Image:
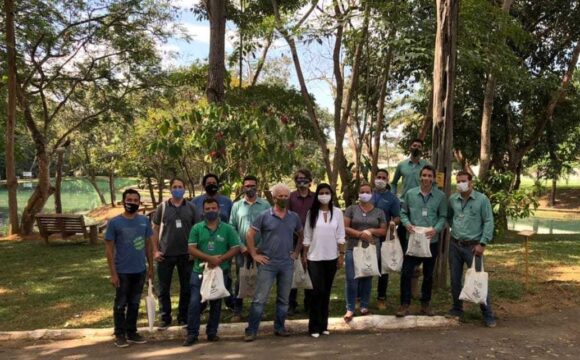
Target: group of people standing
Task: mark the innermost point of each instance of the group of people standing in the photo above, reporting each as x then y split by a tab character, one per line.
300	224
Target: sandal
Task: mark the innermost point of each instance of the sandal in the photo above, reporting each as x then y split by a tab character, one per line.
348	316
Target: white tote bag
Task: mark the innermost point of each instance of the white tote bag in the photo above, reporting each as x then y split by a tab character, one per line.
150	304
419	243
248	278
301	279
391	254
475	285
212	285
365	261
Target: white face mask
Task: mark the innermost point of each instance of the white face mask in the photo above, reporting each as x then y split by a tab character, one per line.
463	187
365	197
324	199
380	184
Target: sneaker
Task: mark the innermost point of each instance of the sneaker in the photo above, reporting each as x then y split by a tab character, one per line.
315	335
326	332
136	339
249	337
282	333
213	338
426	310
121	342
164	325
190	340
403	311
490	323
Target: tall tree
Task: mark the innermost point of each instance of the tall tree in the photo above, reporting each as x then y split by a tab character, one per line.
216	10
11	180
443	93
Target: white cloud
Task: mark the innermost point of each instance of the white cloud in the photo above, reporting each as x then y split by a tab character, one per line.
185	4
200	33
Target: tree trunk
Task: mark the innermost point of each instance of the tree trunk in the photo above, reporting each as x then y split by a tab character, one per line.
380	120
112	187
443	93
460	158
93	180
553	193
151	192
160	184
262	60
428	121
310	108
40	194
217	39
58	182
489	95
11	180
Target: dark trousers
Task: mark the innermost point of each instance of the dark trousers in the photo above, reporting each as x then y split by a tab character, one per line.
164	275
195	304
127	299
383	279
322	275
459	256
409	265
294	299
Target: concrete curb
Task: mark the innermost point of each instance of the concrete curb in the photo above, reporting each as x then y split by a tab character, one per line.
364	323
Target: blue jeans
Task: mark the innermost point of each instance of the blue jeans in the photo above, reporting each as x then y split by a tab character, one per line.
409	265
127	299
458	256
267	274
361	286
194	313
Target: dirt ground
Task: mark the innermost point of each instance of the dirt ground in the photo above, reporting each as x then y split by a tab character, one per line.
544	336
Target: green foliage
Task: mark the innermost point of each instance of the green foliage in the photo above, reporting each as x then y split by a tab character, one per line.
505	201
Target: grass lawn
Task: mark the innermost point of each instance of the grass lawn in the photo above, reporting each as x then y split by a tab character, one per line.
66	286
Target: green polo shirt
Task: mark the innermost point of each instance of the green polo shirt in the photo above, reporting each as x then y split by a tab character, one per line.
213	242
410	173
471	220
243	215
435	204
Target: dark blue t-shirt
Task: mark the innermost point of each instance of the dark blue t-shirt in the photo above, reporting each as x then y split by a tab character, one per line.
277	235
129	236
388	202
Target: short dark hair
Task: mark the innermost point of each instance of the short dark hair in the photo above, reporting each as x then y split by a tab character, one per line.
464	173
176	179
306	173
130	191
428	167
382	170
420	141
250	178
209	175
209	201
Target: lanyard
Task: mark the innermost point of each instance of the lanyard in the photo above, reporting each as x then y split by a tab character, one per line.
463	206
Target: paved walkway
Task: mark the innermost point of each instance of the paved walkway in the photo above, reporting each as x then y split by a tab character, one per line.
547	336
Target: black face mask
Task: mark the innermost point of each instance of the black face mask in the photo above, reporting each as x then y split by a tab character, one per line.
211	189
251	192
416	152
131	208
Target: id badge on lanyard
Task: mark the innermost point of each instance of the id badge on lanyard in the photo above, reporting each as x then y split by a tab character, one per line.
424	212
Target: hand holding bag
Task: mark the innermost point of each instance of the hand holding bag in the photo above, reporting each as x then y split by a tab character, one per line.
365	261
391	254
419	243
301	279
475	285
212	285
248	279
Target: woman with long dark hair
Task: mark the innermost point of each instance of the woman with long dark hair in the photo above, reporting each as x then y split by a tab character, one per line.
324	245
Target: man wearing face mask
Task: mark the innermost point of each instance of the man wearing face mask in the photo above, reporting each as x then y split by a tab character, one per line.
211	185
128	242
385	200
300	202
424	206
471	220
172	222
244	212
214	243
275	256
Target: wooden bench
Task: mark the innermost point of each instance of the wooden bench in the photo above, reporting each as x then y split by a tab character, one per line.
67	225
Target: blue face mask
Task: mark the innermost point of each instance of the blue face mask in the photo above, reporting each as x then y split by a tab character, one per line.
178	193
211	215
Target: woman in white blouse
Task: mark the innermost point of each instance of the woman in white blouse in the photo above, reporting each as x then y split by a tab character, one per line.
324	245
